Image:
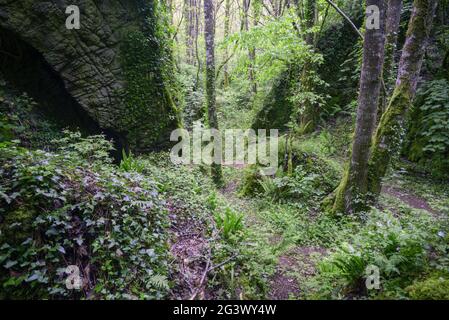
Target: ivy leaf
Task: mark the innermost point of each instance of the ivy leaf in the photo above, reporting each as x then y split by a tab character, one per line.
10	264
33	277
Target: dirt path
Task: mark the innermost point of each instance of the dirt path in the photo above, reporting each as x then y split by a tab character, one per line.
293	268
191	251
294	265
409	198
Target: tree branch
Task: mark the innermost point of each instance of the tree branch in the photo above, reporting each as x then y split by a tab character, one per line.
346	18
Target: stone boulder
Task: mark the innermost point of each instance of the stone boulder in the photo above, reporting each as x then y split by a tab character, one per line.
89	73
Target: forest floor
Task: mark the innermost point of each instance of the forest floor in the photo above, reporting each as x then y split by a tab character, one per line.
297	264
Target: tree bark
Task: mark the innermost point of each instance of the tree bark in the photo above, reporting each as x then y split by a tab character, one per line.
197	32
310	114
392	29
251	51
350	195
209	34
227	27
390	131
189	14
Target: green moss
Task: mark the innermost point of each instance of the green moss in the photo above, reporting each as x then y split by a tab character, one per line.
17	225
435	287
150	112
388	137
250	185
427	141
298	160
335	202
277	107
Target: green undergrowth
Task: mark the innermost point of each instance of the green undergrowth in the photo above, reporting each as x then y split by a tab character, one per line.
20	119
243	259
73	207
308	171
409	246
407	251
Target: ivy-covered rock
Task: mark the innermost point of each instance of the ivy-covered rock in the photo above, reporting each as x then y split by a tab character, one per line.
130	99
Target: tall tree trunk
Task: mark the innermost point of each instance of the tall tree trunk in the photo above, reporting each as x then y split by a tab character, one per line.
209	34
256	5
310	19
390	131
392	29
197	32
251	51
350	195
189	16
309	116
227	29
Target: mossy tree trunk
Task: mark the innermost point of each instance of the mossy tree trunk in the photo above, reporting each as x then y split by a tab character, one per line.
350	195
310	113
251	51
189	16
209	34
394	8
227	28
390	132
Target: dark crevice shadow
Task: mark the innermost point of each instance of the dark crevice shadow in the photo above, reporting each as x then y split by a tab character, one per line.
27	71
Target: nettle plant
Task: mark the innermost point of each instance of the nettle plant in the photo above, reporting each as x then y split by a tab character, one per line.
73	208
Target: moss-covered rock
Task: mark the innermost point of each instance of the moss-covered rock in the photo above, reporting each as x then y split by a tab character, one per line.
92	63
296	162
277	107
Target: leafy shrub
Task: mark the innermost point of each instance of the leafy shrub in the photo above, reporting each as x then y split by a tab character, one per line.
400	248
428	137
193	103
20	119
72	207
305	175
435	287
245	260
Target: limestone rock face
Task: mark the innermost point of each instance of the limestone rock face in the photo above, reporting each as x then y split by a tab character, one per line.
89	61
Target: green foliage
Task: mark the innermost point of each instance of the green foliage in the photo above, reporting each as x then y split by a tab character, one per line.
428	137
151	88
235	105
129	163
434	287
399	247
94	150
20	119
305	177
342	53
278	46
246	259
229	222
72	207
277	107
193	103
